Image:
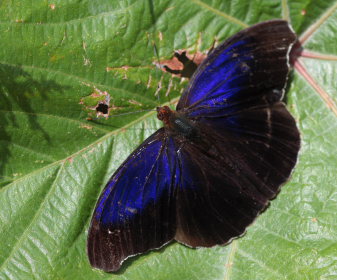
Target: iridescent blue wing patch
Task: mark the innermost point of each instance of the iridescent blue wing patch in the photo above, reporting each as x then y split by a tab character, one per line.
136	210
249	69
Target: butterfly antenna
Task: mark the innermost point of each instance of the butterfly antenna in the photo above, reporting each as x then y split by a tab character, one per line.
104	116
123	114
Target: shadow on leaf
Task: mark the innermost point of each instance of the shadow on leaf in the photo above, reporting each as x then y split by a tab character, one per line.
17	90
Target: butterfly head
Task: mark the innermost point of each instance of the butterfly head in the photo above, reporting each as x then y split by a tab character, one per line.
164	114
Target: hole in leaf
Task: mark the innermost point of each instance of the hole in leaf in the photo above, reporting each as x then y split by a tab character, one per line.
182	64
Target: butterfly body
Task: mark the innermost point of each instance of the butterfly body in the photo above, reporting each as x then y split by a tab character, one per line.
176	123
217	162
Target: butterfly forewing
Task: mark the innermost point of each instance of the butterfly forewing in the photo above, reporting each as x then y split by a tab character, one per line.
136	211
249	69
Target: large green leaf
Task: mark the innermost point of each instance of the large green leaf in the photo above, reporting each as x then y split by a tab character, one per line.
55	162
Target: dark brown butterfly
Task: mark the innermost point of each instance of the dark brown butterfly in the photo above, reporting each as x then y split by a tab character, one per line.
216	163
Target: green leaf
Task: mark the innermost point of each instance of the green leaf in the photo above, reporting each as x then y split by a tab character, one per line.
54	162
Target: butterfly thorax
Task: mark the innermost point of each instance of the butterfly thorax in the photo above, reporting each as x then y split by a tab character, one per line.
175	122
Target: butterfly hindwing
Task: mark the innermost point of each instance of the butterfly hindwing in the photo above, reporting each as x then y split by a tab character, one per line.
212	206
228	178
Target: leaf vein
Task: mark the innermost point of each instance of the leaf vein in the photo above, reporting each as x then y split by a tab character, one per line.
25	232
56	117
219	13
80	20
230	260
261	264
45	156
79	79
322	93
313	28
97	142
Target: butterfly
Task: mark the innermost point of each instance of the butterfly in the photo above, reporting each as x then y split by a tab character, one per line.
213	167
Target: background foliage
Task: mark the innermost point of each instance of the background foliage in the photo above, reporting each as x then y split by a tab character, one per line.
54	162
